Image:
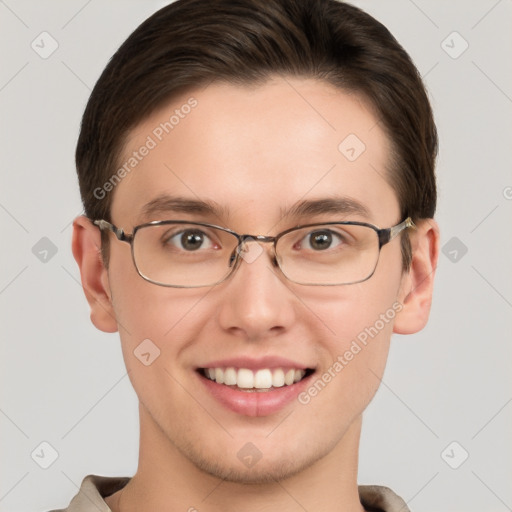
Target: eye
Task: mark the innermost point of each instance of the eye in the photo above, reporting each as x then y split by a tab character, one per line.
322	239
189	240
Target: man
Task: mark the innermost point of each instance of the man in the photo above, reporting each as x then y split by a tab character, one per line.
258	183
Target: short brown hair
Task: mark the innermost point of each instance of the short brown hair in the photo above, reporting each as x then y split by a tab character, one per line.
193	42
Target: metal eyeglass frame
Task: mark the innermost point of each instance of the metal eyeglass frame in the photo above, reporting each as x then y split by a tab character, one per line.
384	235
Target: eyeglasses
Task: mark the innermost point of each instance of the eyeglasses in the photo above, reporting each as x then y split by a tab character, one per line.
184	254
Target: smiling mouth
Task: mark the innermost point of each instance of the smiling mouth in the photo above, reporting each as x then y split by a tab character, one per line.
265	379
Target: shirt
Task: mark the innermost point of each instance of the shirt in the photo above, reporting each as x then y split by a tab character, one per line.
374	498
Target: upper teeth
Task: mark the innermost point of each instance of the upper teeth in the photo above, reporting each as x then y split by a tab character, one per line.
260	379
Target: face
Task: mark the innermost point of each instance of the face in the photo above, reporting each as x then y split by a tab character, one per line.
254	153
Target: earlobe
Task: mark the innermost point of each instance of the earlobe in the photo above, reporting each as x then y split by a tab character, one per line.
418	283
86	246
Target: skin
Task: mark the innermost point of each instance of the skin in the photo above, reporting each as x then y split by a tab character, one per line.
254	150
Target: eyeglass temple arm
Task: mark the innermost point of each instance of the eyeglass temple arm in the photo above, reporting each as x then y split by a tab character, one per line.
120	234
386	235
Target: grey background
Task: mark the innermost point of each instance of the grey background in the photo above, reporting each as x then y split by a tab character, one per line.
64	383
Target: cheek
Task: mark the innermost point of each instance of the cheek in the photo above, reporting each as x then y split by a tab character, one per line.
359	319
359	313
160	325
152	319
358	351
156	330
355	359
143	309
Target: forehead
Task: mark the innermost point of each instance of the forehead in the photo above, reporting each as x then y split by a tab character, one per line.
255	152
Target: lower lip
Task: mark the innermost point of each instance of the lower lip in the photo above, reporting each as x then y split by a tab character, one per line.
254	403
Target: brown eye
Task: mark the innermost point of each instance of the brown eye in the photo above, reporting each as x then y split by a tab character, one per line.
192	240
321	240
189	240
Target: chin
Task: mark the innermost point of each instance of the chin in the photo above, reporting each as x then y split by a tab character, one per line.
261	473
266	470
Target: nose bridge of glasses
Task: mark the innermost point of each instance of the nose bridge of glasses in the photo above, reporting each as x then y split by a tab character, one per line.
244	239
250	252
257	238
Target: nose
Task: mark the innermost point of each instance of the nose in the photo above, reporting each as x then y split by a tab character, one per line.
257	301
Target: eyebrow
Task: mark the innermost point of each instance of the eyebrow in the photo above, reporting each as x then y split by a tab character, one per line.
304	208
166	204
338	205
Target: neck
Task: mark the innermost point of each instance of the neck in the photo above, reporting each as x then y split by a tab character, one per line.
166	479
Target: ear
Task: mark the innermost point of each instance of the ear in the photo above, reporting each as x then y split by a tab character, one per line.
86	247
417	284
